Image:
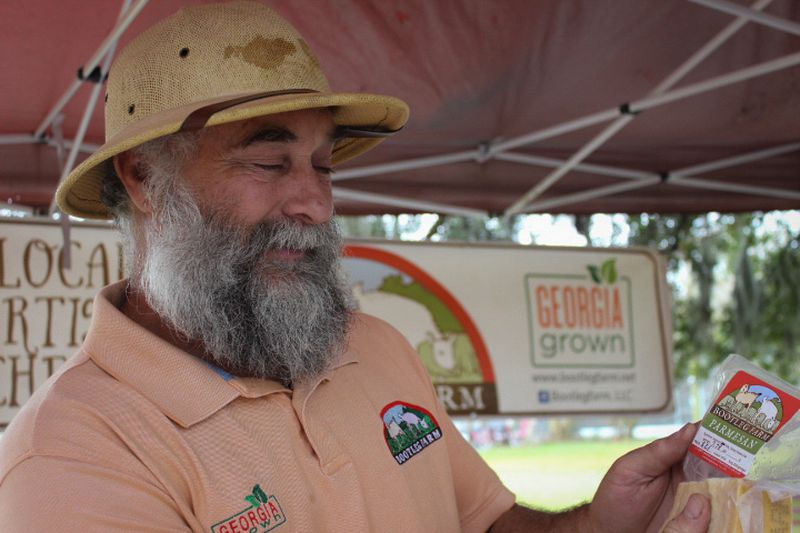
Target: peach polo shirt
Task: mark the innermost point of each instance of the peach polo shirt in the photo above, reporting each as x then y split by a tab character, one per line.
132	434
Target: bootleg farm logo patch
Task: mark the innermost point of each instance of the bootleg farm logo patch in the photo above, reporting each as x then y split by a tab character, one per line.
581	320
408	430
263	514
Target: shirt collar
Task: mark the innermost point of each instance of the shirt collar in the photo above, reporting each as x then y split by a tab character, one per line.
169	377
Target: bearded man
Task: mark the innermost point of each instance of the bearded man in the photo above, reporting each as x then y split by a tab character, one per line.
228	385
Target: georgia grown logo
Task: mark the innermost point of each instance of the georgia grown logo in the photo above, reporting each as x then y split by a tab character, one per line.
581	320
408	430
263	514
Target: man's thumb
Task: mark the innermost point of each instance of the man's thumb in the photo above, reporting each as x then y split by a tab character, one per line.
694	518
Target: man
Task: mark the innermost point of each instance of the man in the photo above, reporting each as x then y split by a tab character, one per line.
228	385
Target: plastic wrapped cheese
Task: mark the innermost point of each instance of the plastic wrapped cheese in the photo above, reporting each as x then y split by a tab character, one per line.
739	505
752	417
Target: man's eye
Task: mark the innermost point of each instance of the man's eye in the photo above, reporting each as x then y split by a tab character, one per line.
269	167
324	170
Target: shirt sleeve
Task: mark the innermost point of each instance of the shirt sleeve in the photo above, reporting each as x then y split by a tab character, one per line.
46	493
480	495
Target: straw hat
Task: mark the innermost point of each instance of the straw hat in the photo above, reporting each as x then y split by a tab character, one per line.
213	64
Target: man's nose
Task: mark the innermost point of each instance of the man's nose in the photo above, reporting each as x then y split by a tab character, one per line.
309	198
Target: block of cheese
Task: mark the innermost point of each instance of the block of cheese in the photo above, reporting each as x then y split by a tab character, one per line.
732	501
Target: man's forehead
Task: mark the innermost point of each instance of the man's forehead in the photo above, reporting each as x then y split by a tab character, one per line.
280	127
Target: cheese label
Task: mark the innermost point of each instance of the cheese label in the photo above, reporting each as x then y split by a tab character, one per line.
747	413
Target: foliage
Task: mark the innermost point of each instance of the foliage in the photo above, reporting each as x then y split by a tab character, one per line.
743	289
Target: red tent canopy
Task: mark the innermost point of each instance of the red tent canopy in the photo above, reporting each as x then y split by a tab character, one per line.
502	94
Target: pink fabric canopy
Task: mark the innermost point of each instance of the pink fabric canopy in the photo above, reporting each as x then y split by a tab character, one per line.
479	75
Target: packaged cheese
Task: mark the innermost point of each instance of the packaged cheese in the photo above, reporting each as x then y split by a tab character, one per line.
752	418
745	455
739	506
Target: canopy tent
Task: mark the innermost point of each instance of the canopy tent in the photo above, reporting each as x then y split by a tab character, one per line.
517	106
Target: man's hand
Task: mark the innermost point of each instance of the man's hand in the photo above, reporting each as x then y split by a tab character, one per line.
638	491
635	495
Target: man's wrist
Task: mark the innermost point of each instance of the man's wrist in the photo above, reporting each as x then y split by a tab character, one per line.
520	518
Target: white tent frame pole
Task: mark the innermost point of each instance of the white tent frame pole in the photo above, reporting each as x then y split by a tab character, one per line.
710	47
647	178
591	194
735	160
125	14
62	102
413	203
81	133
408	164
17	139
555	131
717	82
772	21
597	141
577	157
731	187
685	177
86	148
589	168
603	116
125	20
713	83
760	69
87	117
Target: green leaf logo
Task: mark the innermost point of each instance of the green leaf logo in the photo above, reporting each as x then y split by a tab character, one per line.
607	272
258	497
595	272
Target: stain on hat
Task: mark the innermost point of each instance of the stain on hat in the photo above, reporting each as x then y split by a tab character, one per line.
261	52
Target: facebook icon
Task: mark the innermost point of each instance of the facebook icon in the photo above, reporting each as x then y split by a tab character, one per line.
544	396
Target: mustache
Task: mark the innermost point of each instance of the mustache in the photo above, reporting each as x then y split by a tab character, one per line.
288	234
250	243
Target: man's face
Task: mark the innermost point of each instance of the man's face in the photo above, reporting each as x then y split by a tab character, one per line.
242	254
266	168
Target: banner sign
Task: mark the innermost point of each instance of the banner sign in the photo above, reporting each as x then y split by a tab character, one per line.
45	307
508	329
501	329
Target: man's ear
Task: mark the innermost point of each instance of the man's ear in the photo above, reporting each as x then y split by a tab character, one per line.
127	168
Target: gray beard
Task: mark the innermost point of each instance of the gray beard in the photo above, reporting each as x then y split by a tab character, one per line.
254	317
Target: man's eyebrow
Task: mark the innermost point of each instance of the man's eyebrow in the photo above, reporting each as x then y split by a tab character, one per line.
270	134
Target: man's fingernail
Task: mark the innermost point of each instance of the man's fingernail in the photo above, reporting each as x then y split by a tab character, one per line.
694	507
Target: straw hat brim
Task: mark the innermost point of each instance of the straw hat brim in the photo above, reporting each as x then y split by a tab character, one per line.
79	195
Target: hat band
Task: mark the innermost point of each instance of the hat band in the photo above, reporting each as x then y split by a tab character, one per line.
198	118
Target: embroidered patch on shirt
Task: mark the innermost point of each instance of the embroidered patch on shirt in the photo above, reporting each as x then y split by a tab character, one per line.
264	514
408	429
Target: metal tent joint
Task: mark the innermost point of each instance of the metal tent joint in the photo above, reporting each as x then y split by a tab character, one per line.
484	152
625	109
95	76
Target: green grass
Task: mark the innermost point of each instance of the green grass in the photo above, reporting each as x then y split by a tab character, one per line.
556	475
